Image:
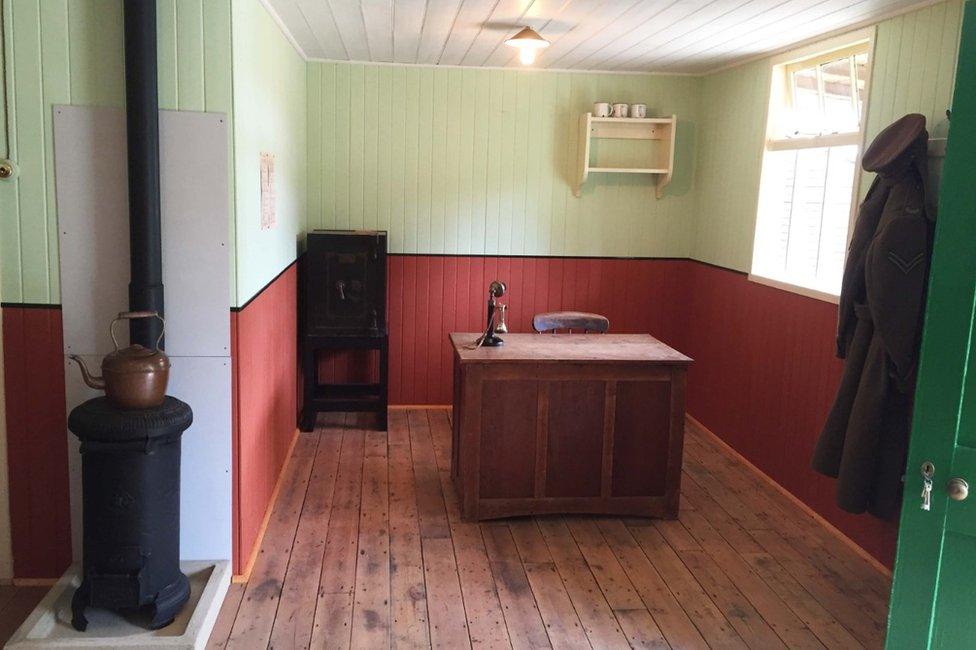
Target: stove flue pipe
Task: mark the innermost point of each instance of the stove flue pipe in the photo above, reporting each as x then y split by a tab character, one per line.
142	123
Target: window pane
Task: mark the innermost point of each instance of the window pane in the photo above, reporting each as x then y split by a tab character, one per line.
805	193
806	116
840	107
775	213
836	216
804	210
824	99
808	195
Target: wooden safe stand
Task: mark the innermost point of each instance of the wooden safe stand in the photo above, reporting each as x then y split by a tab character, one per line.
344	306
568	423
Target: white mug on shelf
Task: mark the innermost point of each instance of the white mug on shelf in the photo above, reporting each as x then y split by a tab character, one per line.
620	110
638	110
601	109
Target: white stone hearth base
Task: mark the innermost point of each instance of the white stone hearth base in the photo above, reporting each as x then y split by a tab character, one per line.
49	625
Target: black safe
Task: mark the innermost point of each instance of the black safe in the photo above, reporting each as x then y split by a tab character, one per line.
346	282
344	305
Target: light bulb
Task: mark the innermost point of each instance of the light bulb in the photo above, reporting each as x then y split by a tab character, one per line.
527	55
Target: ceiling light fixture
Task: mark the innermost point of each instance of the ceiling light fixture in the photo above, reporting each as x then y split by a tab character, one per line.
527	41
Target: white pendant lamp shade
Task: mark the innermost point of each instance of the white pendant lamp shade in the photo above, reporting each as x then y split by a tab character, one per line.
528	41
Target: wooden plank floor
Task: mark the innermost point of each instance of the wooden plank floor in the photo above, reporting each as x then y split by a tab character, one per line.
365	549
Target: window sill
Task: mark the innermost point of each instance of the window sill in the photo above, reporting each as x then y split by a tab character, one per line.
794	288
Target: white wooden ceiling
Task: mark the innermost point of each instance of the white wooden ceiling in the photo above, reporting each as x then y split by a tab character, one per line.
690	36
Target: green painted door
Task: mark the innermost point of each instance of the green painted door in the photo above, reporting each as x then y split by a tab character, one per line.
933	601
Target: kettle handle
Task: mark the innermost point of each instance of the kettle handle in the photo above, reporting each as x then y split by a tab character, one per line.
129	315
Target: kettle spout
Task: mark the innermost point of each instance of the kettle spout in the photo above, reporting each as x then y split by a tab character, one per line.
97	383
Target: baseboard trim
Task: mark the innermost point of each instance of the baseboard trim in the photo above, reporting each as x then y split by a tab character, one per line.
246	575
420	407
34	582
833	530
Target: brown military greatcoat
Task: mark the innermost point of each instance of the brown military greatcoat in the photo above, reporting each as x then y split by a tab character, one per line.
865	439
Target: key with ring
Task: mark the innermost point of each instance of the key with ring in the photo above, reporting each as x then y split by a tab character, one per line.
928	471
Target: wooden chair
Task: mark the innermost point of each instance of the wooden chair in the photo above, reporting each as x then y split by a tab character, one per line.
570	320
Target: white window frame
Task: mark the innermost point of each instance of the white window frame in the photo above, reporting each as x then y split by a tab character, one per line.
778	76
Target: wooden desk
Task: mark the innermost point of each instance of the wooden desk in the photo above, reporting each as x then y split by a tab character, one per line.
568	423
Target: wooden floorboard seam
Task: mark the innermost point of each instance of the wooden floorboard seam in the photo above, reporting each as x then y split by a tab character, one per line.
827	602
741	566
413	473
284	575
426	542
281	631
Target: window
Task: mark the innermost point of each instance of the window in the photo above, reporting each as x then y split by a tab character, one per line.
813	141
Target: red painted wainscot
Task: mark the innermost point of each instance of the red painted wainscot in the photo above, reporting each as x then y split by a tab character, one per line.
265	404
763	380
37	448
430	296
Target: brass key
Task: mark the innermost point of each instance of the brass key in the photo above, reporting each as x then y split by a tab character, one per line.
928	471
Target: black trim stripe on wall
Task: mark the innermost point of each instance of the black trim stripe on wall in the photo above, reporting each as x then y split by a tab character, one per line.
32	305
572	257
269	283
29	305
531	257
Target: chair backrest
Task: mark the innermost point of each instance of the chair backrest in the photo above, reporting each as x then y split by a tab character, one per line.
570	320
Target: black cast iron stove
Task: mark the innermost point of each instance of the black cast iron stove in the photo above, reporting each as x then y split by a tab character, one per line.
131	485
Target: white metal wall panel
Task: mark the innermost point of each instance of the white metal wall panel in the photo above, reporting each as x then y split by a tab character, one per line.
91	189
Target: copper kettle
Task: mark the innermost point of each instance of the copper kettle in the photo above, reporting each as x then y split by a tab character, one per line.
134	377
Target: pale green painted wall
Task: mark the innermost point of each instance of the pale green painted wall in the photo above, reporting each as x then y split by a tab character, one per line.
729	162
483	161
913	71
70	52
269	116
489	170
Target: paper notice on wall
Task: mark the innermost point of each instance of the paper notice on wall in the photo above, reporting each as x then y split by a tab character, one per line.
268	217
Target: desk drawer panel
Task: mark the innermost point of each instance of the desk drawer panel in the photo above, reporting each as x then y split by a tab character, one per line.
509	412
575	438
642	431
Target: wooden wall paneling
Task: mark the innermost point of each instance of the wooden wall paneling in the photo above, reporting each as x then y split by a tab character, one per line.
764	380
482	161
267	399
74	55
431	296
36	451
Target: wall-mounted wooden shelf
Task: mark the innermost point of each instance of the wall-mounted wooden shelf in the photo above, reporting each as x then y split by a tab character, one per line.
628	128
